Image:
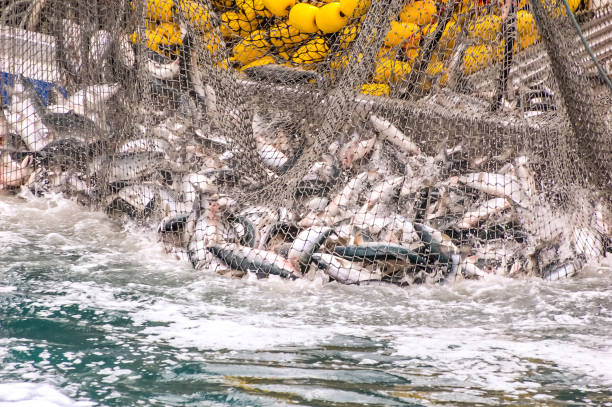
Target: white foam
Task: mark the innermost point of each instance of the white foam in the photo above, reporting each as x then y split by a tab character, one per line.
35	395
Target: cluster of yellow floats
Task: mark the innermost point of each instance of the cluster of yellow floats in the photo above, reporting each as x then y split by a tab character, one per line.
314	34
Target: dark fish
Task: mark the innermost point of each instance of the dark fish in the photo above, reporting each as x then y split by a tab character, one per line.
379	251
174	223
254	260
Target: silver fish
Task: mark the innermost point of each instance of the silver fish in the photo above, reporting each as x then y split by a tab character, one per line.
588	242
306	243
100	44
490	207
380	251
91	98
394	136
128	166
145	144
355	150
500	185
72	45
25	118
210	229
559	272
12	173
254	260
125	51
348	196
344	271
271	157
161	70
440	245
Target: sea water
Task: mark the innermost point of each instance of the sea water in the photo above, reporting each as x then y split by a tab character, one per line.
94	313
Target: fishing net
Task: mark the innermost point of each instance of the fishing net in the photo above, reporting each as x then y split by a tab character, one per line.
364	142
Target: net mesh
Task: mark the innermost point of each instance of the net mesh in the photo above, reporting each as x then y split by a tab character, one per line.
366	142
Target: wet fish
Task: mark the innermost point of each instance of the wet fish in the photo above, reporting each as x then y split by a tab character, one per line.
559	272
125	51
71	45
440	245
12	173
91	99
348	196
210	229
126	166
141	145
100	44
342	270
500	185
394	136
354	150
161	70
379	251
306	243
25	118
271	157
261	262
490	207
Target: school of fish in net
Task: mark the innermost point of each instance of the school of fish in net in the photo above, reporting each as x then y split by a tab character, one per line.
372	208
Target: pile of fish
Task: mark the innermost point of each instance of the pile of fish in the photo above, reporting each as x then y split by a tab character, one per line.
373	209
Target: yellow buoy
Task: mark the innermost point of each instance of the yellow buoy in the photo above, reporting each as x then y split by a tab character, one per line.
477	57
284	35
487	28
234	24
251	48
198	15
267	60
527	32
389	70
419	12
159	10
375	89
401	34
313	51
303	17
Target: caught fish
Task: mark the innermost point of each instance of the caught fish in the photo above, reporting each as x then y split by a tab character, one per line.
349	194
270	156
26	112
500	185
91	99
12	173
210	229
100	44
490	207
379	251
261	262
126	166
385	191
394	136
72	45
142	145
161	70
306	243
344	271
559	272
440	245
588	243
125	51
355	150
141	197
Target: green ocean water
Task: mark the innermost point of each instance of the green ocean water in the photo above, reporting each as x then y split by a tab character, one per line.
94	313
